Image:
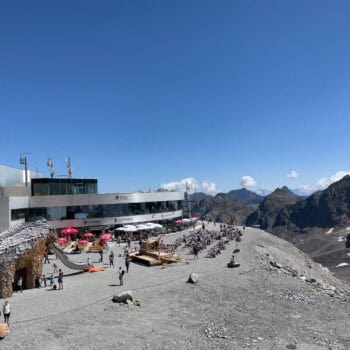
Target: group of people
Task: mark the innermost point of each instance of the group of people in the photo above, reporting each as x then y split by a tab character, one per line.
111	256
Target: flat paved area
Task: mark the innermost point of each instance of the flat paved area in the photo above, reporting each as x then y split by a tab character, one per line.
252	306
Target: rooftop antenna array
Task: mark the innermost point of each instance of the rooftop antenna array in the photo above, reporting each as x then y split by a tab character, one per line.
69	168
50	165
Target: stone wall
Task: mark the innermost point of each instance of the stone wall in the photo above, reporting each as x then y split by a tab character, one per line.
29	265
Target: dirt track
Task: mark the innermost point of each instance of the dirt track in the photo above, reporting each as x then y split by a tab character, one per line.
276	299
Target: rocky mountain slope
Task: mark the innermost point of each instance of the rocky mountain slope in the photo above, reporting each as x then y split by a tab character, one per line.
270	208
221	208
324	209
247	196
284	211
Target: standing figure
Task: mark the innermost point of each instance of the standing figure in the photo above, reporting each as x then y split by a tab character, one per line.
46	257
52	281
195	251
111	259
101	255
20	284
60	279
6	309
127	262
121	276
55	269
44	281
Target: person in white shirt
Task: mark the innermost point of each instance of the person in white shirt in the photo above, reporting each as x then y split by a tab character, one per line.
6	309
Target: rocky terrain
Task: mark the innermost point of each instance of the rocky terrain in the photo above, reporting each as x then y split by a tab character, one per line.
278	298
247	196
221	207
271	207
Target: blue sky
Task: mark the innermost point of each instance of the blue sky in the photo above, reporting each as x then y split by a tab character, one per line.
144	93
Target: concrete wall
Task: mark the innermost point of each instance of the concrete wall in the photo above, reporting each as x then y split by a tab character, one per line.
4	213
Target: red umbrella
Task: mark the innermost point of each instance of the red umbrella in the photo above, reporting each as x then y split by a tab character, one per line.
69	230
88	234
83	241
106	236
61	240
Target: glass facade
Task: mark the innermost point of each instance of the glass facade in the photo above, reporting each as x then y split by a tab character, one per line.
95	211
54	187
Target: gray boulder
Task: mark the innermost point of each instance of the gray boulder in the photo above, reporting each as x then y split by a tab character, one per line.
123	297
193	278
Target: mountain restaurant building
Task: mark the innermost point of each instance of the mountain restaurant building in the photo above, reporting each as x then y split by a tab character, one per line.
65	202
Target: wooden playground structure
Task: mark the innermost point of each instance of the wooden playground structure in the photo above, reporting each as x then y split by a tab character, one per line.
151	254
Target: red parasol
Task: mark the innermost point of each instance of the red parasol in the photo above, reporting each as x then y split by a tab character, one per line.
83	241
106	236
61	240
69	230
88	234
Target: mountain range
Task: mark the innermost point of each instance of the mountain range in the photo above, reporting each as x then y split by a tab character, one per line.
317	224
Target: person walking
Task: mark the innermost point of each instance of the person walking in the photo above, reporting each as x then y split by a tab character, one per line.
60	279
111	259
6	310
20	284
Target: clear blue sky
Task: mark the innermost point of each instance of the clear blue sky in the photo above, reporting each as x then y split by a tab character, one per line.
143	93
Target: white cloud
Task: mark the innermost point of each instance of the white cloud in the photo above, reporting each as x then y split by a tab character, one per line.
326	181
322	183
209	187
248	181
192	184
292	175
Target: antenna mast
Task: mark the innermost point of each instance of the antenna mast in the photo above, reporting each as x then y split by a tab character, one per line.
23	159
50	165
69	168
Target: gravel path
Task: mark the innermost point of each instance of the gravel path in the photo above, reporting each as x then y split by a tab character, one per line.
277	299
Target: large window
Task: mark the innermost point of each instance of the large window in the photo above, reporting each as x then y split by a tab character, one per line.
53	187
96	211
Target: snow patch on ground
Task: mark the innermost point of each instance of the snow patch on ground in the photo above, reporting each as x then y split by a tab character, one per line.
342	264
329	231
